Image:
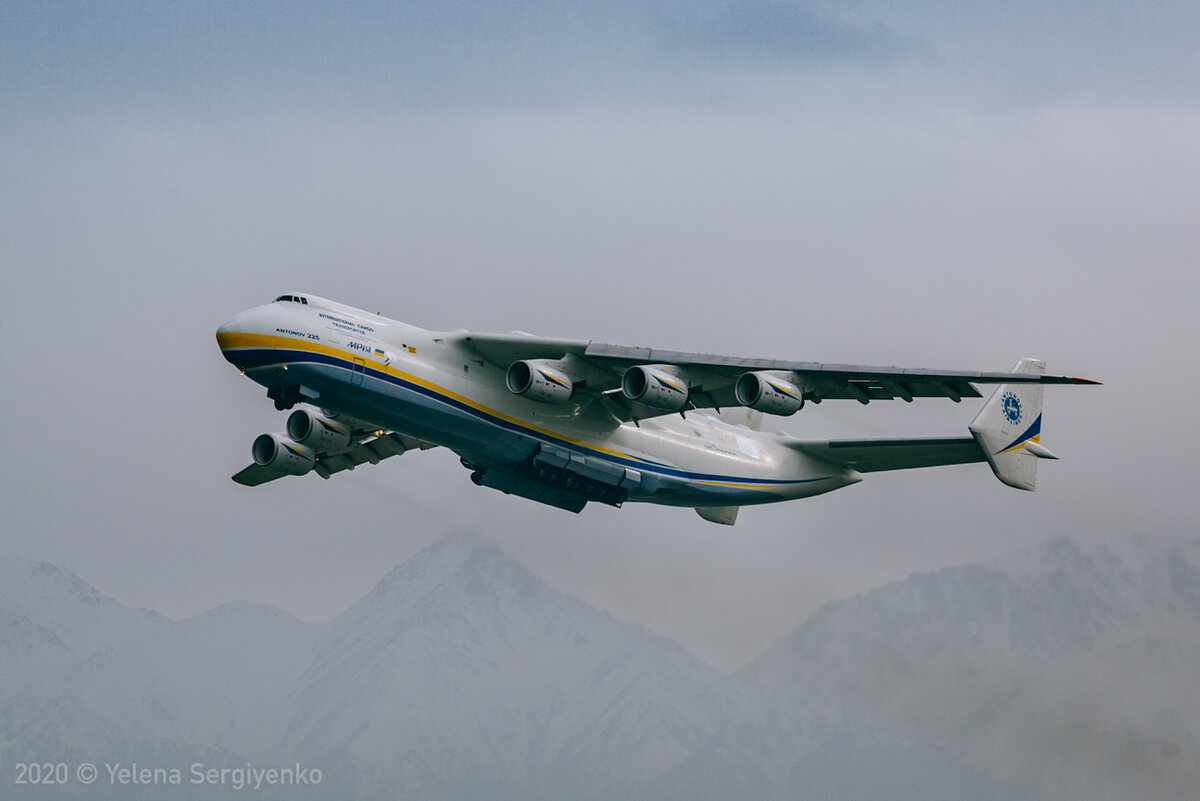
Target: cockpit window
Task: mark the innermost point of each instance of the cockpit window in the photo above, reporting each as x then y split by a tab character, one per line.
292	299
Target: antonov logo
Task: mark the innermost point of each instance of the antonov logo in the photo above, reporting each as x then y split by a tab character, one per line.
1012	407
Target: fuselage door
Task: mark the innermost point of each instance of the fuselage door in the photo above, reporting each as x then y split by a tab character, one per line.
358	372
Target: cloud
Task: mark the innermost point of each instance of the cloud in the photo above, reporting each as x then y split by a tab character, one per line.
230	57
785	34
135	54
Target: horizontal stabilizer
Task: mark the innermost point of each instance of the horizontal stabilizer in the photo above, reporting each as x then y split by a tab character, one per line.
875	455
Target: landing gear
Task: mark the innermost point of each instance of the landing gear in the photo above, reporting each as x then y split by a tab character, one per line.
285	398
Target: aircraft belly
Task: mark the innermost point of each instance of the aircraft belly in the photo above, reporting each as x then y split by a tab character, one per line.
695	461
728	465
399	408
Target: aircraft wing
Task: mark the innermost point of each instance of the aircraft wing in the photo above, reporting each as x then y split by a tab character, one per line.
832	381
711	378
875	455
371	447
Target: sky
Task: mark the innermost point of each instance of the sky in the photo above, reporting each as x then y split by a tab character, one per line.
941	185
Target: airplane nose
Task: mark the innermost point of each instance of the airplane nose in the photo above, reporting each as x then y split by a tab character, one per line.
234	325
246	322
231	332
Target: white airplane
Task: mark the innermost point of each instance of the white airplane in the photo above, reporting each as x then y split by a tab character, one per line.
566	421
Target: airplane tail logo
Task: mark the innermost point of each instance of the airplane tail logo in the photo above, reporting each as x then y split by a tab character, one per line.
1012	407
1009	429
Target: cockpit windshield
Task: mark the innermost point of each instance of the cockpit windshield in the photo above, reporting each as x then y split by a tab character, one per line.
292	299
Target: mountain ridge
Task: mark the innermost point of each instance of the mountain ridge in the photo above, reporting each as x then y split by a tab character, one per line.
462	673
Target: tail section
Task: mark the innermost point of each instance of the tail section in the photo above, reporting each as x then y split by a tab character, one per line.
1009	427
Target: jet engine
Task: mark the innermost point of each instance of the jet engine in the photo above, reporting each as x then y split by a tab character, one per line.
769	393
318	432
656	386
539	380
282	455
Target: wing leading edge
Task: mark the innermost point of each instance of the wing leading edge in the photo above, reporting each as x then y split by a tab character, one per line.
833	381
710	379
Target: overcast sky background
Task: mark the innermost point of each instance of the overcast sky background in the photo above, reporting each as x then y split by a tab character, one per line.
943	185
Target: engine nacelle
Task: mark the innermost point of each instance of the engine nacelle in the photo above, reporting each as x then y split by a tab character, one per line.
282	454
318	432
655	385
769	393
539	380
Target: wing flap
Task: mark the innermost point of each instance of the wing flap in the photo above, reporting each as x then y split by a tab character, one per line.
373	450
256	474
875	455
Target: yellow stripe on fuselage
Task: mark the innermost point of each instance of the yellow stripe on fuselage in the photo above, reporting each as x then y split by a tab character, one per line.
237	340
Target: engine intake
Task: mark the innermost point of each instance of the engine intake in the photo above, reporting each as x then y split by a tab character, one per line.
656	386
539	380
317	431
768	392
282	455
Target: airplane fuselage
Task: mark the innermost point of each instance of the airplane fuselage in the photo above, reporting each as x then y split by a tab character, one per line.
436	387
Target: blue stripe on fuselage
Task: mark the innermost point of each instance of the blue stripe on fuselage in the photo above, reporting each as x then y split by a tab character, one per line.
1035	428
252	358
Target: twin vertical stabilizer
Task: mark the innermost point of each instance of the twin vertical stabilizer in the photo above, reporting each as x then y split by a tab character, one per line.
1009	427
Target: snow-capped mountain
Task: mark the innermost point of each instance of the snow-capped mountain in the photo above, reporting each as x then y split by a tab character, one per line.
462	673
1065	672
1059	673
83	678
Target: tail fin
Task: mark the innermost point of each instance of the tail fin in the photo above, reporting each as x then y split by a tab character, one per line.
1009	426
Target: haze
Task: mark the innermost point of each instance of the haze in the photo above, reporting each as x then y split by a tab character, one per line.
930	185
